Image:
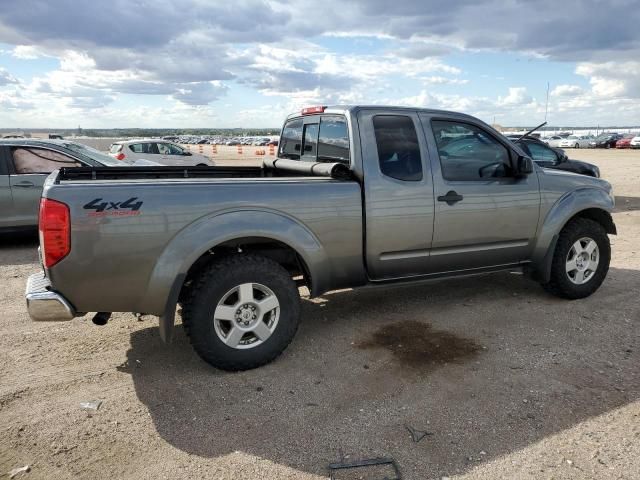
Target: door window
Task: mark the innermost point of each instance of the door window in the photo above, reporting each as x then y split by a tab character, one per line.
468	153
39	160
333	140
146	147
398	149
167	149
540	153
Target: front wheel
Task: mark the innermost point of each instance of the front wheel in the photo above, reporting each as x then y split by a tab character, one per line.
241	312
577	145
580	261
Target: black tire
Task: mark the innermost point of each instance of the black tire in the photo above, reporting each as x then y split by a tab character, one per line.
208	289
577	145
559	283
201	165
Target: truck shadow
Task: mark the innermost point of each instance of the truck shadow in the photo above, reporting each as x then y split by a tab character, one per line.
486	364
19	248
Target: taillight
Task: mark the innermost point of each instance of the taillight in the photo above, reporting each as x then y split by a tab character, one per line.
55	231
120	156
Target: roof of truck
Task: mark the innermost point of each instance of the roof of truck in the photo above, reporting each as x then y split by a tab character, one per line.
356	108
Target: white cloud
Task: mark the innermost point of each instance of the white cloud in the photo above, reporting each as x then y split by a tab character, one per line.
566	91
517	96
26	52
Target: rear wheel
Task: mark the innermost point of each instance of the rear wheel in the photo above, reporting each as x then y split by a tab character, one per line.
241	312
580	261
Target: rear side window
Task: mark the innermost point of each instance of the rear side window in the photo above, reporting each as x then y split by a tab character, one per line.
398	149
310	139
291	140
115	148
40	160
144	148
333	140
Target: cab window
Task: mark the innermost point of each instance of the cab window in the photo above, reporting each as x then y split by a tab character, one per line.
468	153
398	149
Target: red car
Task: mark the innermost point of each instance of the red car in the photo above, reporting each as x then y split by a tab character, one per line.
625	141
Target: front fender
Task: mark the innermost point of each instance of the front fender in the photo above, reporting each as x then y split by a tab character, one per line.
566	207
205	233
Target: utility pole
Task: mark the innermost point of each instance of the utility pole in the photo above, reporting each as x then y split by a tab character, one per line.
546	108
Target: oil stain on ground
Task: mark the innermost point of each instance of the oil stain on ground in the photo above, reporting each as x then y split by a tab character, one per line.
419	345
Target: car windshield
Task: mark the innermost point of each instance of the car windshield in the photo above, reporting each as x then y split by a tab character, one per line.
92	153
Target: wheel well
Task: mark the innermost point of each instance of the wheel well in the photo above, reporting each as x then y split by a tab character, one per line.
267	247
598	215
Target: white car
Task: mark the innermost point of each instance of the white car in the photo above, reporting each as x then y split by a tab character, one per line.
635	142
160	151
553	141
575	141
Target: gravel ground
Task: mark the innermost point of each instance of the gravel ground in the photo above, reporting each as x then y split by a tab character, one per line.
508	381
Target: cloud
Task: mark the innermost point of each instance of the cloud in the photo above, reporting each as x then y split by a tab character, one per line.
6	78
566	91
612	79
517	96
437	80
26	52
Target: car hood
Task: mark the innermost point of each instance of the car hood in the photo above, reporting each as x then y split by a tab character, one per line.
563	180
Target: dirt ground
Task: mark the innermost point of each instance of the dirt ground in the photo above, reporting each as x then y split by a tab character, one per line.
508	381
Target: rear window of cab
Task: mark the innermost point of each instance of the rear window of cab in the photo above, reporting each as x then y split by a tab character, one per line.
322	138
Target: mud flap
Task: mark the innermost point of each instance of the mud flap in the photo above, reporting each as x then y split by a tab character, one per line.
167	319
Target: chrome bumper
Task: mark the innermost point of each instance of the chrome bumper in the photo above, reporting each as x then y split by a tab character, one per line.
44	304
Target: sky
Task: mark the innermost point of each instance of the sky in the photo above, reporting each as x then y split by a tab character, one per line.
248	63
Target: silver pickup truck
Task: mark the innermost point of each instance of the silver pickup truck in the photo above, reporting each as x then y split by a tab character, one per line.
357	196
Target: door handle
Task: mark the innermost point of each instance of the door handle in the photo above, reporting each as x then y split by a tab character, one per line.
451	197
24	184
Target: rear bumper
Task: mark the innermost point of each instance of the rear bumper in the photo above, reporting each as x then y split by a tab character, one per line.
43	304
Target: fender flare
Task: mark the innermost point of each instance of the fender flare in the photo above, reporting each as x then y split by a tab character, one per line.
193	241
566	207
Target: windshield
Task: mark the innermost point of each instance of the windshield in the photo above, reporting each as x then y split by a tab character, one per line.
92	153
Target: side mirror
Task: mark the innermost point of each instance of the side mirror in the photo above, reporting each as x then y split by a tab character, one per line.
524	166
186	153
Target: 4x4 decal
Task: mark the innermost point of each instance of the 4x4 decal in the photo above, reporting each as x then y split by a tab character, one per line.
107	208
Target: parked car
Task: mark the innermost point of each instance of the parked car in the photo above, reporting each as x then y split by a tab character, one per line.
555	158
233	245
553	141
575	141
605	140
625	141
159	151
25	165
635	142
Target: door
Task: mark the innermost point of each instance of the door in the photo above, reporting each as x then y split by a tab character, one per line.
398	196
7	218
29	168
484	216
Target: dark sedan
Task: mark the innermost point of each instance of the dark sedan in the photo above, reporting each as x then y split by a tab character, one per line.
605	140
556	158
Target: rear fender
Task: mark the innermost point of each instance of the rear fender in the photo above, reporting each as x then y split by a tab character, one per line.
207	232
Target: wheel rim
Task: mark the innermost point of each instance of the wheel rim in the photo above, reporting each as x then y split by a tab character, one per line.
582	261
246	316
